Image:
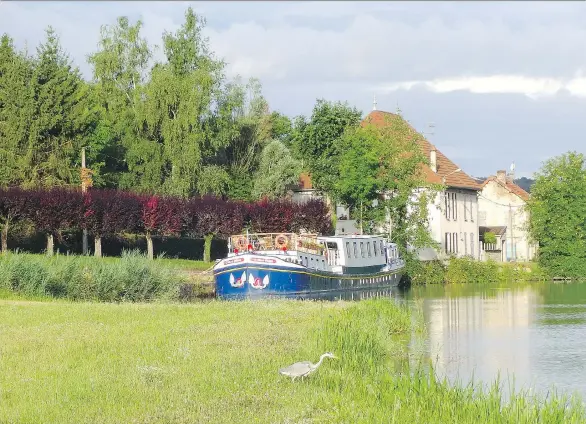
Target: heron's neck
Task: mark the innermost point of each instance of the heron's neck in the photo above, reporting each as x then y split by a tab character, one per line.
321	358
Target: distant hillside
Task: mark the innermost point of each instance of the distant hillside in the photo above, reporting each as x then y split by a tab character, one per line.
525	183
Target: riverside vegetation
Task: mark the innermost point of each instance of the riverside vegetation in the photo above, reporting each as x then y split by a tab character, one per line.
218	362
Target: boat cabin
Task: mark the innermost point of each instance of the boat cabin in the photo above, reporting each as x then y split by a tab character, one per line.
339	254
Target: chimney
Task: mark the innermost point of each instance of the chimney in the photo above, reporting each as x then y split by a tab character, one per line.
433	159
501	176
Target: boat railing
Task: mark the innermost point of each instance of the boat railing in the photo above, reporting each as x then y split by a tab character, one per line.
275	241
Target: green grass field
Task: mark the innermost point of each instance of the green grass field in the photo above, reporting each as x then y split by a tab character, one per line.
217	362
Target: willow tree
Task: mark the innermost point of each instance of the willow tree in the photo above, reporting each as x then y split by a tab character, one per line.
183	107
120	71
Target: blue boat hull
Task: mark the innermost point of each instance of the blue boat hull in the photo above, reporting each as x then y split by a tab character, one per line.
269	280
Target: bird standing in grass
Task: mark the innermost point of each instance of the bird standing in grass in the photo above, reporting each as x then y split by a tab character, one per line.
304	368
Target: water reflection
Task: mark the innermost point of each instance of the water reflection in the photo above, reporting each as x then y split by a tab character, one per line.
534	332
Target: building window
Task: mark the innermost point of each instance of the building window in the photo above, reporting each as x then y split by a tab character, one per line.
472	244
355	250
455	243
362	250
447	206
465	243
368	249
471	210
348	249
454	207
465	208
447	243
375	245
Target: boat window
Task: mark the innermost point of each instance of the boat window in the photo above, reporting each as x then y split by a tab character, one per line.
355	249
368	249
382	249
306	261
362	249
332	245
348	249
375	245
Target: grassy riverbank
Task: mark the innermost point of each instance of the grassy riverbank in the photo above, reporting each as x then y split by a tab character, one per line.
466	270
130	278
217	362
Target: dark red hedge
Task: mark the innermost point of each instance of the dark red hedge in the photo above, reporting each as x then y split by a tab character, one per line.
105	212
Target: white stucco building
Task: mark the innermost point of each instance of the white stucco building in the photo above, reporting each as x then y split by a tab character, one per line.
502	208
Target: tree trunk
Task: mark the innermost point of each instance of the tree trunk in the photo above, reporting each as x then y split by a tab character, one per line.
150	250
4	237
50	244
207	248
98	247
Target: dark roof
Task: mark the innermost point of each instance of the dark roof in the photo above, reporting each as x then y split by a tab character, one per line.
445	167
497	230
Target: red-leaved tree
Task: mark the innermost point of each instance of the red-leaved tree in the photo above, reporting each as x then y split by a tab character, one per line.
274	216
211	217
55	210
109	212
13	207
161	215
313	216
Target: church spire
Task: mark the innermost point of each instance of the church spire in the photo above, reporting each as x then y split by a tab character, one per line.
374	102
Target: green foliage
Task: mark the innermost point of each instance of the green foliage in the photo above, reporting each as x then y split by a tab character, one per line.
489	237
557	210
132	278
276	171
316	141
467	270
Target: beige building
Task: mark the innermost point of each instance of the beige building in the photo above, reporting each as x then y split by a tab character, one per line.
502	211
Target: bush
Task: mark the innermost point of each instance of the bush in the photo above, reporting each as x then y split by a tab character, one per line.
132	278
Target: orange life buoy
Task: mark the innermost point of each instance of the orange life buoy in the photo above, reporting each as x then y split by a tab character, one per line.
281	241
241	242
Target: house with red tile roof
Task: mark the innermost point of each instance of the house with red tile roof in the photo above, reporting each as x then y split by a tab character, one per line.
502	211
453	214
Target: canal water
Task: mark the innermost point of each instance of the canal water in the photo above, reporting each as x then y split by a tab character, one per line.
536	332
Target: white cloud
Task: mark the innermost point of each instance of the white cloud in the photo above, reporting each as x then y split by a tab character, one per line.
496	84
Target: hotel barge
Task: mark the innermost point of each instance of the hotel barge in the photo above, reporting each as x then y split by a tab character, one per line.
294	265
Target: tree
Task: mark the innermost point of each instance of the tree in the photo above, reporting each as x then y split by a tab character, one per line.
277	170
317	141
211	217
161	215
109	212
14	205
380	175
53	211
15	110
120	70
557	209
61	118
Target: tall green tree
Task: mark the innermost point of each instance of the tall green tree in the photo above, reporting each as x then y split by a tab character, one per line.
557	209
277	170
317	140
120	150
381	179
15	110
61	118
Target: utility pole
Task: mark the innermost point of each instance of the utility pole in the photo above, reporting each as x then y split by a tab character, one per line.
83	190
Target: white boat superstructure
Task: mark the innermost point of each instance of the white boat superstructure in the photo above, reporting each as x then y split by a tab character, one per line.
342	254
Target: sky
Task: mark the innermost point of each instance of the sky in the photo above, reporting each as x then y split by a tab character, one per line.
489	83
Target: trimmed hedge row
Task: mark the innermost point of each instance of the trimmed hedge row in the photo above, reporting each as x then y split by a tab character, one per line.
106	213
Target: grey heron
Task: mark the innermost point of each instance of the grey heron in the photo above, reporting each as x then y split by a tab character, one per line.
304	368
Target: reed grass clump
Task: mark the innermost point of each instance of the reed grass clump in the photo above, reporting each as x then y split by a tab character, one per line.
131	278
